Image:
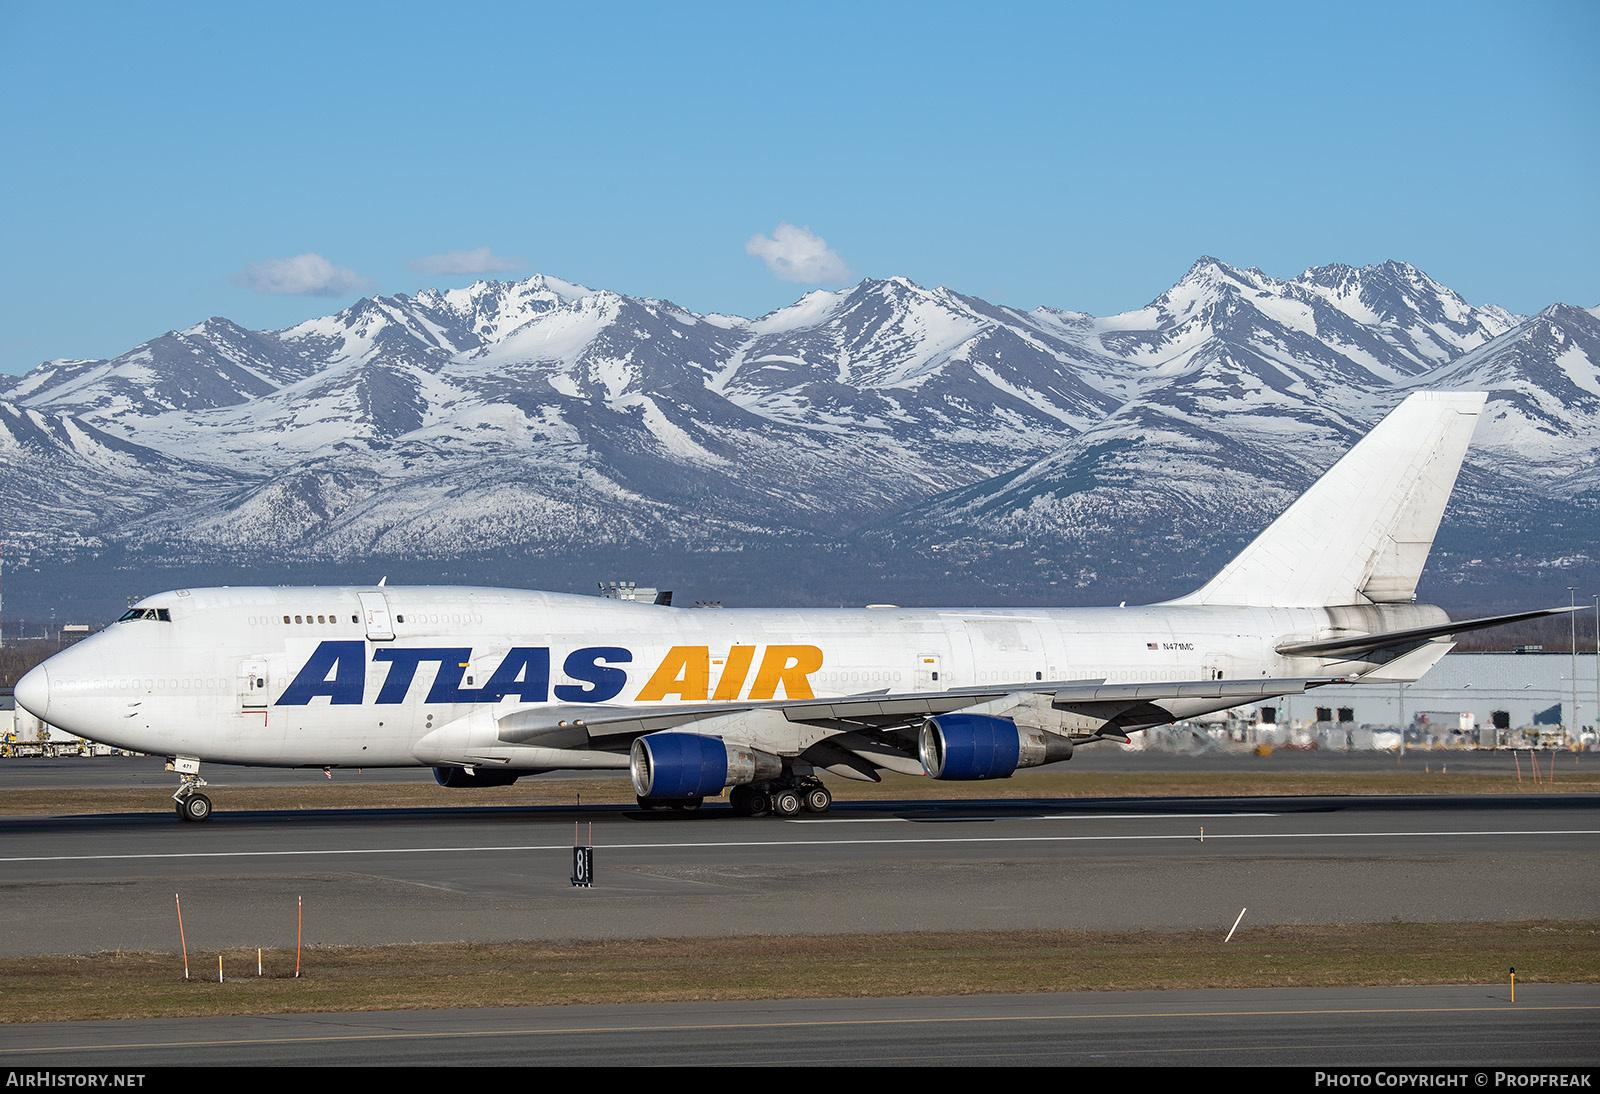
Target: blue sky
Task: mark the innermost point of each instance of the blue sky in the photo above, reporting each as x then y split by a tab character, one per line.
269	163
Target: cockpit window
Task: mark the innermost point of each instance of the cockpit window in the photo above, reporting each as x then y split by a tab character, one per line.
163	614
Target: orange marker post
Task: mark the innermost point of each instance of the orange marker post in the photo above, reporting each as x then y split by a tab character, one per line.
181	940
299	931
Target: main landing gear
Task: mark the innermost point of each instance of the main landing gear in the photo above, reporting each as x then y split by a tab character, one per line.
188	802
788	799
682	805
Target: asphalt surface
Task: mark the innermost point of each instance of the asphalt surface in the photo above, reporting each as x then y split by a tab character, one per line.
104	882
1475	1030
92	883
150	771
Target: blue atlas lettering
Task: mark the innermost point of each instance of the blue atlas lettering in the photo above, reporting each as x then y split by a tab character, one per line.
524	673
602	681
403	669
337	670
447	684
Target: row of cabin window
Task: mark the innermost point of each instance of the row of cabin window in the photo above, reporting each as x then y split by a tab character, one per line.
307	619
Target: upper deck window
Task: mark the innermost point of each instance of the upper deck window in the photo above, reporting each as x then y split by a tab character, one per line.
163	614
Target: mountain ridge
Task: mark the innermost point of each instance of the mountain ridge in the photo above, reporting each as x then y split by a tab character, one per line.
539	417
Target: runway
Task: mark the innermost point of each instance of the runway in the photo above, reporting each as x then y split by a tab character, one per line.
91	883
82	884
150	771
1470	1028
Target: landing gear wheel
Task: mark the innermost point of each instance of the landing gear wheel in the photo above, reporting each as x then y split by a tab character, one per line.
669	803
818	800
747	801
190	804
786	803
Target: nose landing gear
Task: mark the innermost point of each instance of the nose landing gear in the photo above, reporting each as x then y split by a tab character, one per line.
188	802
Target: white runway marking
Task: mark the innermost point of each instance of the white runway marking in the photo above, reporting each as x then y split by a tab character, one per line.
1183	837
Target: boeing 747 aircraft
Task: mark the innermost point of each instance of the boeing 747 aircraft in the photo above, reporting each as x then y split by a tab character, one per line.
486	685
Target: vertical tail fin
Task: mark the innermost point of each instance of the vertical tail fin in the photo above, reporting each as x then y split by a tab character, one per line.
1362	533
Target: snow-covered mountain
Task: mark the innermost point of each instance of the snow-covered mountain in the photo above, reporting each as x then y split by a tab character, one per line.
881	421
1248	388
1544	414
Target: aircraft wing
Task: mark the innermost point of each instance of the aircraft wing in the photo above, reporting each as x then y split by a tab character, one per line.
613	727
592	726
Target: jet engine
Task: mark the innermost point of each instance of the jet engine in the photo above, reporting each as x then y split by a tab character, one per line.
692	765
457	778
981	746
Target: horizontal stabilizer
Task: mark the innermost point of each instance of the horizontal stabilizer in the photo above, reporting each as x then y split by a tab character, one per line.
1238	691
1352	647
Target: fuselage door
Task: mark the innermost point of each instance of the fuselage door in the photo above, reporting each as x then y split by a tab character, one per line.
927	673
253	684
375	610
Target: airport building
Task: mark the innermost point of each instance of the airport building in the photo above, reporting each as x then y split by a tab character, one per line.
1484	700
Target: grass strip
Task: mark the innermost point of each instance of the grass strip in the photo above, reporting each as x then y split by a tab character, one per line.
442	975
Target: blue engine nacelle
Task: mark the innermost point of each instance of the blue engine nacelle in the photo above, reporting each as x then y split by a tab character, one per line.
969	746
981	746
457	778
692	765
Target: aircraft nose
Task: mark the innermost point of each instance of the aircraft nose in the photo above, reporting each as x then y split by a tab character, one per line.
33	692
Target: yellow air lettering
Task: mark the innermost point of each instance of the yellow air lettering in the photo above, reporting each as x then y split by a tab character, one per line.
790	666
684	672
731	682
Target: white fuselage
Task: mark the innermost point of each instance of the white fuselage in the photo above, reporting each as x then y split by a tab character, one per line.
305	676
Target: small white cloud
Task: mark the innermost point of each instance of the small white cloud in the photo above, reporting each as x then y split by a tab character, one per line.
476	261
302	275
794	254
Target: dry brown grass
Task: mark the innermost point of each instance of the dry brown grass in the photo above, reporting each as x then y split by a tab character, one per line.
127	985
